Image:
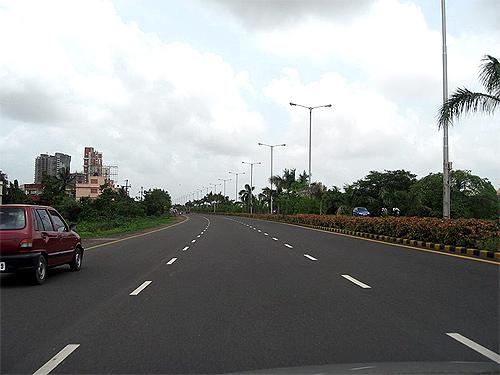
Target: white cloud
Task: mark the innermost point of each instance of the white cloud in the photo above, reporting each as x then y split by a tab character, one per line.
74	75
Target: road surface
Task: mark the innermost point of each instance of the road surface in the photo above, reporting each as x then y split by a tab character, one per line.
219	294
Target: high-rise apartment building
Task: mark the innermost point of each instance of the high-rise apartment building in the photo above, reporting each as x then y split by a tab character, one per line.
92	162
50	165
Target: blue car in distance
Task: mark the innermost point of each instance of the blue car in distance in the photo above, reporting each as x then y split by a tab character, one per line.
360	211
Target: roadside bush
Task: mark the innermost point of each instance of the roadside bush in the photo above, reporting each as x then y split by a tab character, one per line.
475	233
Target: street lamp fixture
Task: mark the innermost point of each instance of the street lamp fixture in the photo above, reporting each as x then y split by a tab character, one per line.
271	178
310	128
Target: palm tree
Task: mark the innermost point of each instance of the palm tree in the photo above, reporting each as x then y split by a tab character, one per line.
246	193
463	101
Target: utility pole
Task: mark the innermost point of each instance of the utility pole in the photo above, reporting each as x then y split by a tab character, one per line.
446	160
142	193
1	192
251	183
236	189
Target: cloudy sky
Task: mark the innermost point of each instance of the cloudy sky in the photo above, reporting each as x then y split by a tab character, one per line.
178	93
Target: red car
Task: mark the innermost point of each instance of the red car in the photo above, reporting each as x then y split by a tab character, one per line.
34	238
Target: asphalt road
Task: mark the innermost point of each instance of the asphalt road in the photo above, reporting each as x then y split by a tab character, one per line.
250	295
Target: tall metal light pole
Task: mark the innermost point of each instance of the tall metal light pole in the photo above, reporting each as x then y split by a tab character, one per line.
236	191
251	182
222	179
310	129
446	161
271	178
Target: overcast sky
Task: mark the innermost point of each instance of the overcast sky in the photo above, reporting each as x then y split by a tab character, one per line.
178	93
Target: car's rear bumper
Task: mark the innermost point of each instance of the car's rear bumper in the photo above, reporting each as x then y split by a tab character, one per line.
19	262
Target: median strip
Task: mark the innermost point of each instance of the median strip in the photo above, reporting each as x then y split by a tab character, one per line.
141	288
56	360
475	346
357	282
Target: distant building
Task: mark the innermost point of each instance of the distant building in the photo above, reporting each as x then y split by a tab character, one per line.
92	163
33	191
50	165
91	189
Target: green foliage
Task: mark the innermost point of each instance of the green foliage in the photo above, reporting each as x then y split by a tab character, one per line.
382	189
464	101
157	202
471	196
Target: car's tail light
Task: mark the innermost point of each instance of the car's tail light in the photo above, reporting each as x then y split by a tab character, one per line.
26	244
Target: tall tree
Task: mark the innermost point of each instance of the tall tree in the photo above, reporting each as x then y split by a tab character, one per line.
246	193
464	101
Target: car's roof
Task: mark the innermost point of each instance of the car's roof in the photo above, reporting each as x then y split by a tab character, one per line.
23	205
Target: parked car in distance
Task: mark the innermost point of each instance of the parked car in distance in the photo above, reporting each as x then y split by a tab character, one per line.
360	211
35	238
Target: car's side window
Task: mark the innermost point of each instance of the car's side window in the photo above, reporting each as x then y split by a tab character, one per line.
58	222
37	224
45	219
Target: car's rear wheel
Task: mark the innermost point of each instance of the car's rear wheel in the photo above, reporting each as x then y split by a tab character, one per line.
39	274
76	263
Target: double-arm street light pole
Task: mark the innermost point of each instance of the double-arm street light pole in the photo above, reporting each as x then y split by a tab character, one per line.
251	182
224	179
446	158
271	178
236	191
310	129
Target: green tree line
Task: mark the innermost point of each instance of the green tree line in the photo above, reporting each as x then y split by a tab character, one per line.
472	196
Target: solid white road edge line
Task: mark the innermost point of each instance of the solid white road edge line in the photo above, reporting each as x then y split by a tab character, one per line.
289	246
357	282
187	247
56	360
309	257
141	288
475	346
171	261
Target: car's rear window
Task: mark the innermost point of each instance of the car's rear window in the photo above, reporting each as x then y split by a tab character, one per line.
12	218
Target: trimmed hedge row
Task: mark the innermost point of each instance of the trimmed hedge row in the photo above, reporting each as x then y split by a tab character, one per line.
479	234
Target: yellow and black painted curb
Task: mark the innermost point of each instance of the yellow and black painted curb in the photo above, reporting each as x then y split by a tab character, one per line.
470	252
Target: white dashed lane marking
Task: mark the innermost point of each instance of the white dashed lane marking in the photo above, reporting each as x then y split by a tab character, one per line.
357	282
171	261
289	246
475	346
187	247
141	288
56	360
274	238
309	257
